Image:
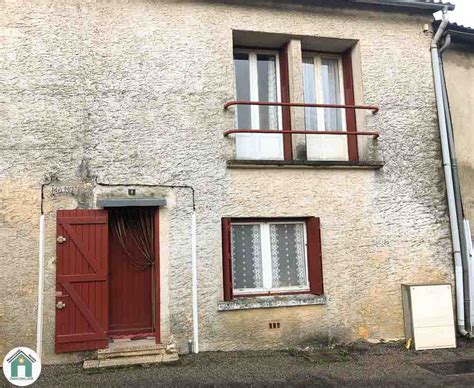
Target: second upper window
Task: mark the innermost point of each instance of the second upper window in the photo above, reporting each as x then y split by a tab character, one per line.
323	84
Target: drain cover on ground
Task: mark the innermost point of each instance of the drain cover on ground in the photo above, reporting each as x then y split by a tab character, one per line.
450	368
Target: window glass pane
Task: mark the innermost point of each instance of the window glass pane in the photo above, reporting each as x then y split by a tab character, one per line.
246	257
311	123
267	91
242	85
331	93
288	259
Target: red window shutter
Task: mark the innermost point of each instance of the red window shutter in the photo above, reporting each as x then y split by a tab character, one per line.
350	100
315	265
226	258
285	97
82	312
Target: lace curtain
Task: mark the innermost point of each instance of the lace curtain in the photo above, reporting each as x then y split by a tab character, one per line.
288	259
246	257
286	247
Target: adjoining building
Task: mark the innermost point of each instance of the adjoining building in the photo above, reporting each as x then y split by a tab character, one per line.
456	62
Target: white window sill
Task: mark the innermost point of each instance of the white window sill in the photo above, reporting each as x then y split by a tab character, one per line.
264	302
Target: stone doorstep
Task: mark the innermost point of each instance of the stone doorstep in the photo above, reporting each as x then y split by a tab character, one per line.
150	338
129	361
131	346
130	353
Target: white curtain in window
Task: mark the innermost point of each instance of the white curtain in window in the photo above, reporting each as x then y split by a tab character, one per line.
272	94
270	145
331	93
246	257
267	91
311	121
256	76
242	89
288	258
322	84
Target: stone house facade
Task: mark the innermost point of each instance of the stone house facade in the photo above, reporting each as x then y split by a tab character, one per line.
121	103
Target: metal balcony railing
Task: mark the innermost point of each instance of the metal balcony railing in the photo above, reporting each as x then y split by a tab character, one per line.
373	108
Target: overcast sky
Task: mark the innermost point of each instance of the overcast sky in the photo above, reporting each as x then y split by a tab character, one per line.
463	13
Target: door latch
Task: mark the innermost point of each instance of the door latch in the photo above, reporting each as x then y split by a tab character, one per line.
60	305
61	239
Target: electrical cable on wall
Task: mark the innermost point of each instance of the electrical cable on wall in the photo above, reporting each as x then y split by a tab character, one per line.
50	177
150	185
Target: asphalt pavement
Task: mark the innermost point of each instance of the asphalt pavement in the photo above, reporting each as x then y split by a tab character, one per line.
359	364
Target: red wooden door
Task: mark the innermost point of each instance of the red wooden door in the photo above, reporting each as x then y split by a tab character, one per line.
81	280
130	289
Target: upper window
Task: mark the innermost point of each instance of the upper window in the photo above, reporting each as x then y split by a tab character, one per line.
265	76
271	256
323	84
257	78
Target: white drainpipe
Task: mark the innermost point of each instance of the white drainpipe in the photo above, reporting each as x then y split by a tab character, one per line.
194	284
467	232
39	322
453	216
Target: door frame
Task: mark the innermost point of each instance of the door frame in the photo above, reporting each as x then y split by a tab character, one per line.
156	274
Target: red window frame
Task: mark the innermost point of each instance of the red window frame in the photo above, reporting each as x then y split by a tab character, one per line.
314	256
349	99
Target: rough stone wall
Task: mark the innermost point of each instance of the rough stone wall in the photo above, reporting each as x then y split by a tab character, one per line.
132	92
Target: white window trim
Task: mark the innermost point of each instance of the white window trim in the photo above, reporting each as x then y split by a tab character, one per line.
267	260
317	58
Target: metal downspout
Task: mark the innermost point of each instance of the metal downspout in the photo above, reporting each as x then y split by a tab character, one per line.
453	215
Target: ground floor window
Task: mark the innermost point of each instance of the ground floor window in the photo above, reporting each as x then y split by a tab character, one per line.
271	256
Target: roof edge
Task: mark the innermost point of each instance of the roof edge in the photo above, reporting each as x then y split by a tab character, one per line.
431	5
458	32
